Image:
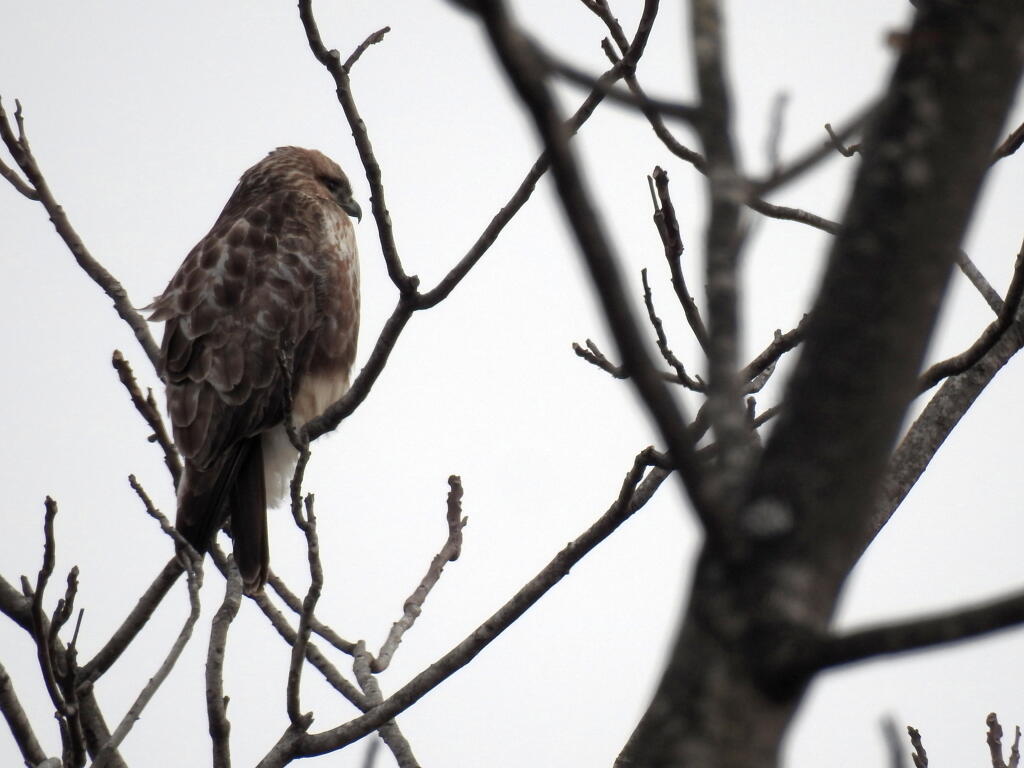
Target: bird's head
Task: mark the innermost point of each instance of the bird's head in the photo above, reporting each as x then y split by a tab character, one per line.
312	172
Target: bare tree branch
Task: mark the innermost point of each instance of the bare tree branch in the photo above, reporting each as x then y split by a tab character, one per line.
389	731
663	107
414	604
919	756
307	524
18	722
814	155
972	273
1010	145
513	50
723	242
133	623
195	581
685	379
146	406
632	496
22	154
316	626
913	634
216	701
988	339
668	228
837	143
994	739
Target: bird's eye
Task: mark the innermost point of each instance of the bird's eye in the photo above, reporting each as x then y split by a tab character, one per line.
332	184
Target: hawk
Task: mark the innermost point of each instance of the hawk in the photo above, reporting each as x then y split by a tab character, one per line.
268	300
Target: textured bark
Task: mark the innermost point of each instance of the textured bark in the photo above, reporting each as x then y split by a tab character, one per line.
769	587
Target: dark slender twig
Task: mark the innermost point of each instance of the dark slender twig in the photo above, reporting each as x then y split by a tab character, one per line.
785	213
751	199
195	581
659	329
915	634
22	154
668	228
66	715
17	722
526	75
643	102
972	273
814	155
837	143
390	734
994	739
987	340
448	553
373	39
307	523
318	627
320	662
331	60
134	622
146	407
781	344
1010	145
593	355
919	755
216	701
1014	761
412	301
632	496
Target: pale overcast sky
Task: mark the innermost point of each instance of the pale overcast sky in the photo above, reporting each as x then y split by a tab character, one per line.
143	117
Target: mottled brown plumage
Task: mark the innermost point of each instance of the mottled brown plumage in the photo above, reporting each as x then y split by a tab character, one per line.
276	279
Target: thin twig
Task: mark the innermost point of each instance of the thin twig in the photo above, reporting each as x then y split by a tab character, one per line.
1010	145
373	39
195	581
632	496
307	523
994	739
668	228
17	721
22	153
146	407
643	102
988	338
659	329
134	622
449	553
411	301
593	355
814	155
318	627
912	635
837	143
514	53
781	344
972	273
919	755
216	701
390	734
331	60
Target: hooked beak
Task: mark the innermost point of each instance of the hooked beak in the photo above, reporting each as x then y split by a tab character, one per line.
351	207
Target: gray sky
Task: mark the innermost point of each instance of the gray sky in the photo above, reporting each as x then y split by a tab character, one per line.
143	123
